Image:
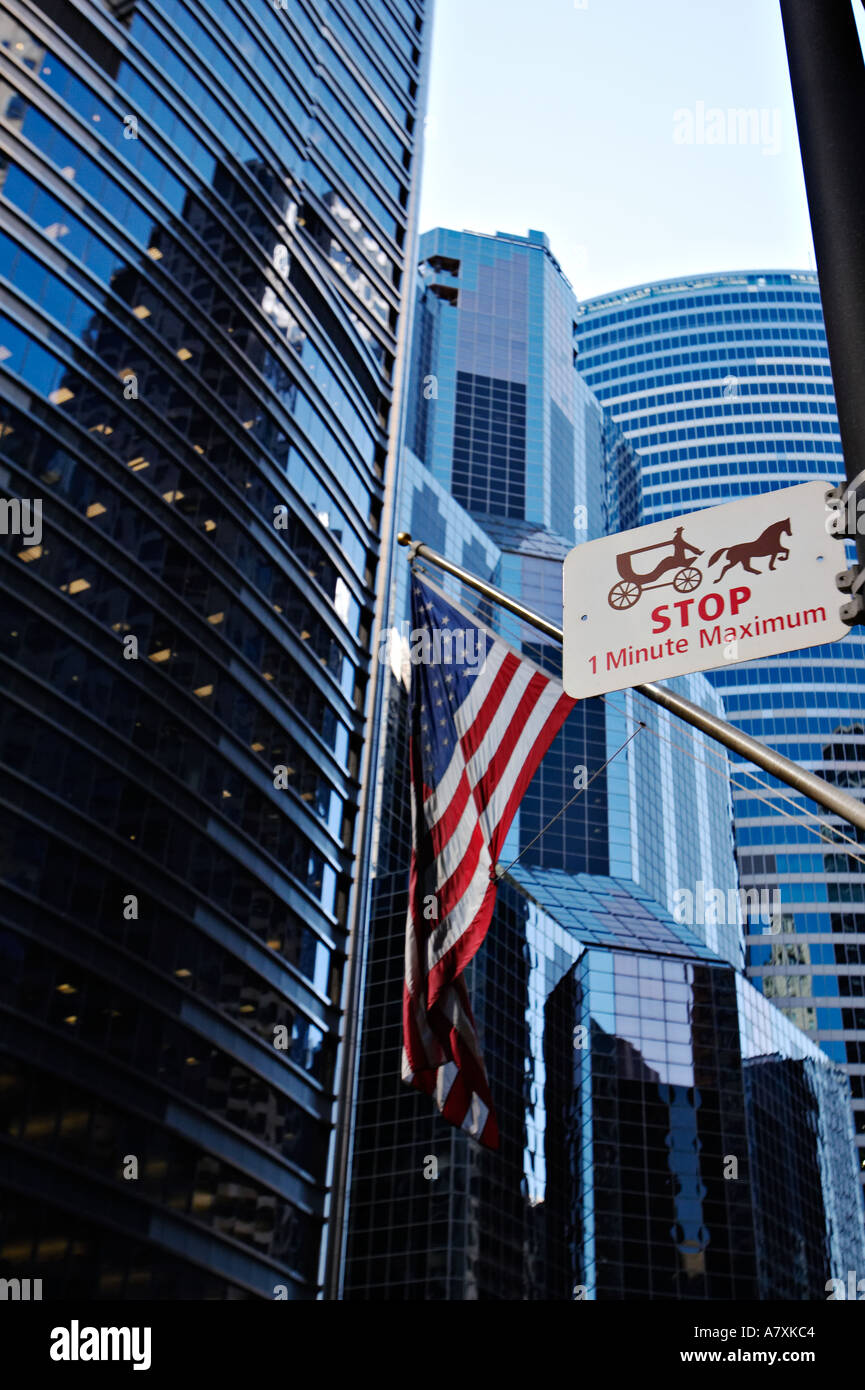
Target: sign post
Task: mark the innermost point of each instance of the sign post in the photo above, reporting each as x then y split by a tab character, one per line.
738	582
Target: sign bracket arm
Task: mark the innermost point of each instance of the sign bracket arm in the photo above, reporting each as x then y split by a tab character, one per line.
832	799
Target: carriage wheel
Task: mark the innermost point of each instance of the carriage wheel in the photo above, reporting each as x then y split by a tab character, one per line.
687	580
624	594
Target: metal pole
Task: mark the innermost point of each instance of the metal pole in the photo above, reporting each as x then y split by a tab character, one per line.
827	77
833	799
358	933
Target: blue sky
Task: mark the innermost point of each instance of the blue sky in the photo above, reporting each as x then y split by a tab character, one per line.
607	127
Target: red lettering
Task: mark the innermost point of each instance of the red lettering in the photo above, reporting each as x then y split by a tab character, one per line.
703	606
683	605
738	597
682	645
659	615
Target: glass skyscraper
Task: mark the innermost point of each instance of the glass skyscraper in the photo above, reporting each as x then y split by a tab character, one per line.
505	426
205	216
705	1145
722	386
639	1155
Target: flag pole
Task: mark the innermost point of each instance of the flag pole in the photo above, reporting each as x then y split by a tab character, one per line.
832	799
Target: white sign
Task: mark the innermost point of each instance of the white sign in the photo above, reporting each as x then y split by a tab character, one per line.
733	583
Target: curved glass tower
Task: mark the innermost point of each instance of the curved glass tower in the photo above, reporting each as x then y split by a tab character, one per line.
722	385
204	215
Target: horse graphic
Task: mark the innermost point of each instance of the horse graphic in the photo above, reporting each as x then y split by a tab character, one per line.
767	543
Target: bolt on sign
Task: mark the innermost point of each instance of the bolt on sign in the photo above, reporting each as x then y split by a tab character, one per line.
733	583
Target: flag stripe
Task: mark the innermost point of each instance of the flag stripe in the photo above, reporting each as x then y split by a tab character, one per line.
511	740
499	687
477	739
560	712
464	945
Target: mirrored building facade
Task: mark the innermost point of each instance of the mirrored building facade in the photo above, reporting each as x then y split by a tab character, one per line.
722	386
204	221
666	1133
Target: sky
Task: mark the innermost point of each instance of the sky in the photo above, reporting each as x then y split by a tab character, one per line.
605	124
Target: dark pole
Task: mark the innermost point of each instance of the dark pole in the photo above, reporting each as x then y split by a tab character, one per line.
827	75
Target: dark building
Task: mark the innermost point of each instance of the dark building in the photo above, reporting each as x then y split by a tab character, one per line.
204	217
666	1133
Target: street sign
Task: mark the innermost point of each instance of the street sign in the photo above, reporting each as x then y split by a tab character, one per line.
733	583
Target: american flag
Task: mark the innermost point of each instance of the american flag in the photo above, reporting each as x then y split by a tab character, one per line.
480	726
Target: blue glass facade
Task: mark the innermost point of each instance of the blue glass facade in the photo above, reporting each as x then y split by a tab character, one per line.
723	388
670	814
204	218
510	430
666	1132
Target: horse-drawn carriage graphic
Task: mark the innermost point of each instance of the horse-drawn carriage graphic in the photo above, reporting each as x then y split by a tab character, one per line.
632	584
